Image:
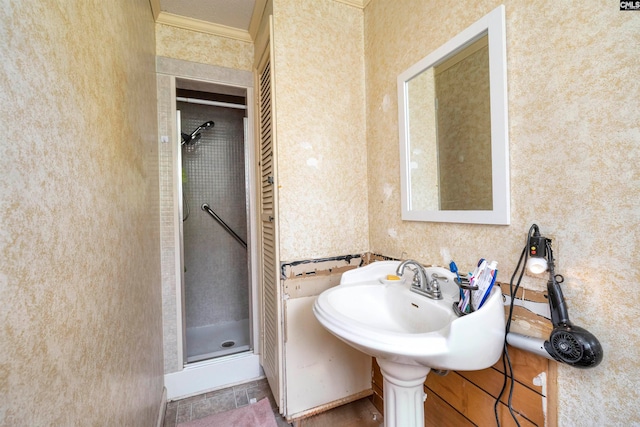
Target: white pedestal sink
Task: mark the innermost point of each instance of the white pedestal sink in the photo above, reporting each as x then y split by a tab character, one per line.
410	334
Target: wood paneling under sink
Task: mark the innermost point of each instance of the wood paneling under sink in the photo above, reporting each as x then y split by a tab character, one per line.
467	398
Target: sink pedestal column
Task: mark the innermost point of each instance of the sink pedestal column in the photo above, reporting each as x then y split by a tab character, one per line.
403	393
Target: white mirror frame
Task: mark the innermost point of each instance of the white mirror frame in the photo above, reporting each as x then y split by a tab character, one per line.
492	24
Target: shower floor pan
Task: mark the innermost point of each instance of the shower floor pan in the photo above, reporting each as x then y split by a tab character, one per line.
222	339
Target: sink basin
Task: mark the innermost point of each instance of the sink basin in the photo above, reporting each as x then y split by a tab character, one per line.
387	320
408	333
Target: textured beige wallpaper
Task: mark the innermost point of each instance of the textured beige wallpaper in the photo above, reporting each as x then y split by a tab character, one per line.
81	338
573	98
178	43
321	147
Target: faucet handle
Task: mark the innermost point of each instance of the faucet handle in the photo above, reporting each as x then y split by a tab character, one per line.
436	277
415	281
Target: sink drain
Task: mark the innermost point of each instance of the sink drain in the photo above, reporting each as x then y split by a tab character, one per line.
228	344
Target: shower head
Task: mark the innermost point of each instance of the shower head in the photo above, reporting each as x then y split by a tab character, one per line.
193	137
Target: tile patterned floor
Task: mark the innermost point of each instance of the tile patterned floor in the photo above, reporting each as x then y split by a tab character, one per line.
360	413
203	405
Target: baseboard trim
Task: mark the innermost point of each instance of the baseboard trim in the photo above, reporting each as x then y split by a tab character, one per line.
163	408
323	408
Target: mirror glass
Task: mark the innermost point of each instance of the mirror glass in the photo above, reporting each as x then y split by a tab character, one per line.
453	129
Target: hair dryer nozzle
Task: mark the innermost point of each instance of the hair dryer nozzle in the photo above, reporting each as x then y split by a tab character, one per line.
530	344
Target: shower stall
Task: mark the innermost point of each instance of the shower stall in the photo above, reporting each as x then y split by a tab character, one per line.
210	292
214	208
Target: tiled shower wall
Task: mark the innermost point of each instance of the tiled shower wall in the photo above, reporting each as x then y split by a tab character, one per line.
167	224
216	276
167	69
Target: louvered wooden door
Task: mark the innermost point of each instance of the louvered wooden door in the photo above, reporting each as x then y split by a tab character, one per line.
271	336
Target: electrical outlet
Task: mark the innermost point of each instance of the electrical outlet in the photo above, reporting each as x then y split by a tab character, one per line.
555	247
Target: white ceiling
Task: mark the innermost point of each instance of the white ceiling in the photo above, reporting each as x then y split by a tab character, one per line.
229	13
236	19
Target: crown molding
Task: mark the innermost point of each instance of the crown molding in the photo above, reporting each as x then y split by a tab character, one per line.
201	26
222	30
155	8
256	17
356	3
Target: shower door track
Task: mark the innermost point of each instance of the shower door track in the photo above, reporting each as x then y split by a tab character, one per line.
207	209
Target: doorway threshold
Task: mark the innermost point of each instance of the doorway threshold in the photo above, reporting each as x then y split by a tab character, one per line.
212	374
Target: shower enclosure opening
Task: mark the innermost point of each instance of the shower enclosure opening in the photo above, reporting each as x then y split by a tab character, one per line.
214	207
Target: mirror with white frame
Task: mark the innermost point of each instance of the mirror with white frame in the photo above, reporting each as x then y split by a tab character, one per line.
454	145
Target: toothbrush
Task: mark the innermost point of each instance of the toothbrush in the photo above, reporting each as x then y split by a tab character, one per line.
454	269
476	280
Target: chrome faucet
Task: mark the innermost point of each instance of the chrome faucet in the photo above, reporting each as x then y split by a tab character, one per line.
419	276
434	285
421	284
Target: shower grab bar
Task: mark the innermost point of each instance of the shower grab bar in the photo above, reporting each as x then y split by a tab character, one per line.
205	207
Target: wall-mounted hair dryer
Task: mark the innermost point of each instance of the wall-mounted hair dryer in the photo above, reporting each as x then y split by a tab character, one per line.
567	343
